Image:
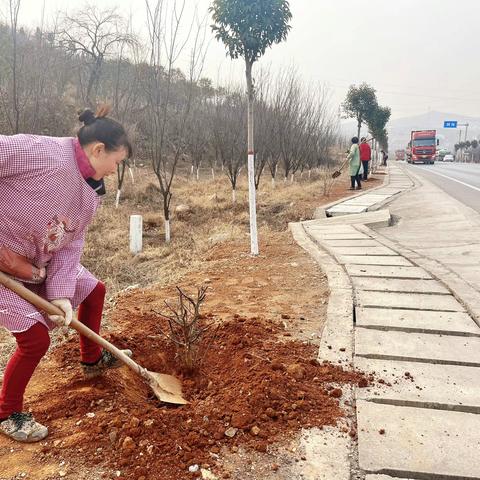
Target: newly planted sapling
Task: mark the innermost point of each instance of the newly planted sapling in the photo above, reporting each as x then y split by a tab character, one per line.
185	329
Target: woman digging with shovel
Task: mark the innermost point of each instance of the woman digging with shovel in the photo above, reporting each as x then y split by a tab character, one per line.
50	189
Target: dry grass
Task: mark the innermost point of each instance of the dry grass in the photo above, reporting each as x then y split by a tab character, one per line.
212	219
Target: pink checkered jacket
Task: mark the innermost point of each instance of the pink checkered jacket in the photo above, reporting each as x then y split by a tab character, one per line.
45	209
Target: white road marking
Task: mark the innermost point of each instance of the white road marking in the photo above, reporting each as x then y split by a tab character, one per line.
453	179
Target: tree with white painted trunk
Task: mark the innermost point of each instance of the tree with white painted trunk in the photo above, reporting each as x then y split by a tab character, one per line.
290	105
247	29
197	136
228	125
274	133
169	93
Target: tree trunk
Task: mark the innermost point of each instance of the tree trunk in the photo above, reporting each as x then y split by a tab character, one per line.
251	163
213	174
167	231
120	178
234	196
359	127
167	197
93	80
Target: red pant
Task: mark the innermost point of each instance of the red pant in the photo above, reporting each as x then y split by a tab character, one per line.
33	344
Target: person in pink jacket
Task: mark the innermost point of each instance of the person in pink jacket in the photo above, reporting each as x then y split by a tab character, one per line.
50	189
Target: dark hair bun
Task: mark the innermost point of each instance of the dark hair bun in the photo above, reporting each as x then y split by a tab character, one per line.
87	117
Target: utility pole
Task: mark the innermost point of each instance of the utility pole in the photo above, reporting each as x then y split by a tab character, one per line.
466	130
460	135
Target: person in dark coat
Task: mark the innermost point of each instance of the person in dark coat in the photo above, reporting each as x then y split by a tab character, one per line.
384	158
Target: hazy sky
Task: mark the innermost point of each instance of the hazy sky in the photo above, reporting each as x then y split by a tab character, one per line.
420	55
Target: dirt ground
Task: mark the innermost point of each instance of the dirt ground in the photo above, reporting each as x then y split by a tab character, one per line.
259	382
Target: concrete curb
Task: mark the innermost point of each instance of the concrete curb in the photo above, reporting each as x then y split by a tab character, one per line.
337	451
331	448
337	336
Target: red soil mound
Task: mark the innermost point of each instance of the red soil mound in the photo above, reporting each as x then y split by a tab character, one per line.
255	386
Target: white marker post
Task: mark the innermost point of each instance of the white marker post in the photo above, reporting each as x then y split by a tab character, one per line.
136	232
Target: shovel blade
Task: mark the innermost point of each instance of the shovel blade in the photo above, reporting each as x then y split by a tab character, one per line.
167	388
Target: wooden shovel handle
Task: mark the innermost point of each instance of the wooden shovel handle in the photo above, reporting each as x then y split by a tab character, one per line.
343	164
51	309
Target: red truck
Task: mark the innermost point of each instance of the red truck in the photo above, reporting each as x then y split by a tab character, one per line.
400	155
422	147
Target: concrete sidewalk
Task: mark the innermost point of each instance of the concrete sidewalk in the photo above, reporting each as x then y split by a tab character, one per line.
373	199
445	235
415	335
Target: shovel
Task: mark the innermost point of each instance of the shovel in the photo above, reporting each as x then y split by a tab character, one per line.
338	172
166	388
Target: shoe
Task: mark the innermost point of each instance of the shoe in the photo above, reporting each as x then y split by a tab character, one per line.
359	188
22	427
107	361
351	188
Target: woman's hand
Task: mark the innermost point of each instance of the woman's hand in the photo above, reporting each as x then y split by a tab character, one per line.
65	305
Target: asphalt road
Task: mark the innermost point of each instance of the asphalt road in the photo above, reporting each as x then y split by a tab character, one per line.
460	180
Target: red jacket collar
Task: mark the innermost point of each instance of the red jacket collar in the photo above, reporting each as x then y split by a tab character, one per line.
83	162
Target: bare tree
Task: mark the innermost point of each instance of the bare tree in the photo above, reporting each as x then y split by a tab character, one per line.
229	133
12	113
290	119
93	36
197	136
264	125
34	79
169	94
